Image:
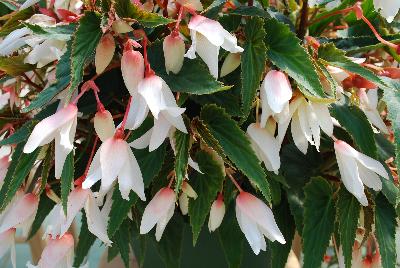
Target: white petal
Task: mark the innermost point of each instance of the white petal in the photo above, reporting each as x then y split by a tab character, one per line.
184	203
217	213
369	178
7	242
137	112
63	145
297	134
143	141
94	173
208	52
176	121
314	125
45	131
162	223
304	122
188	190
130	178
150	89
230	42
278	90
57	253
56	219
210	29
388	8
104	125
324	118
174	50
104	52
159	132
76	201
156	209
97	223
191	53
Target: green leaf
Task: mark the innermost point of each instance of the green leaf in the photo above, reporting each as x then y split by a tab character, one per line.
63	77
213	9
20	135
126	9
284	50
85	242
18	170
13	20
170	245
182	147
354	121
46	166
391	95
86	38
121	239
348	210
319	220
44	208
385	230
251	11
236	145
67	177
231	238
336	57
285	221
15	65
296	204
150	164
194	77
252	62
207	185
60	32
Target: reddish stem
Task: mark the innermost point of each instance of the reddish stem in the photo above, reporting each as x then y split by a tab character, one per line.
234	181
175	32
148	71
377	35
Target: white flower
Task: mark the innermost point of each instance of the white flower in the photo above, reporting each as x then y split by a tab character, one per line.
357	169
7	239
61	127
275	93
265	146
307	119
187	191
256	221
217	213
57	253
387	8
368	104
77	199
113	159
104	52
159	211
44	53
207	37
174	51
132	68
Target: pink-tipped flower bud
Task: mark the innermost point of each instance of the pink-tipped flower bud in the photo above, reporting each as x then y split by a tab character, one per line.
217	213
132	67
104	52
174	51
104	125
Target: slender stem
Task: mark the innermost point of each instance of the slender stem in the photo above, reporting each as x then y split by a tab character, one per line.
148	71
120	131
333	13
91	155
170	181
165	8
175	32
234	181
28	81
377	35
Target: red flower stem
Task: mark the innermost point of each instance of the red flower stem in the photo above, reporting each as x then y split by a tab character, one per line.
120	130
175	32
234	181
91	156
147	69
377	35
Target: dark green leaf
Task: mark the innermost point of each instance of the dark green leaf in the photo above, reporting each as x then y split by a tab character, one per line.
336	57
348	210
20	135
46	166
236	145
284	50
121	239
44	208
182	147
86	38
252	62
67	177
356	124
251	11
207	185
385	229
60	32
85	242
18	170
319	218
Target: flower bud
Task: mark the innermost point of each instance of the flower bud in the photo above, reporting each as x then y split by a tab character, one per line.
104	125
104	52
174	51
232	61
217	213
132	68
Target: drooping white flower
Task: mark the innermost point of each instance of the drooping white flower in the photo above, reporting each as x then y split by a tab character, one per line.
57	253
217	213
61	127
275	93
357	169
20	213
132	68
207	38
174	51
7	239
159	211
104	125
187	192
104	52
265	146
45	52
256	221
368	104
387	8
77	199
231	62
114	159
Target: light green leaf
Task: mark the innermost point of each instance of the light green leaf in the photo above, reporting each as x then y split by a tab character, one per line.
15	65
207	185
252	62
235	145
285	51
67	177
319	218
385	229
348	210
86	38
